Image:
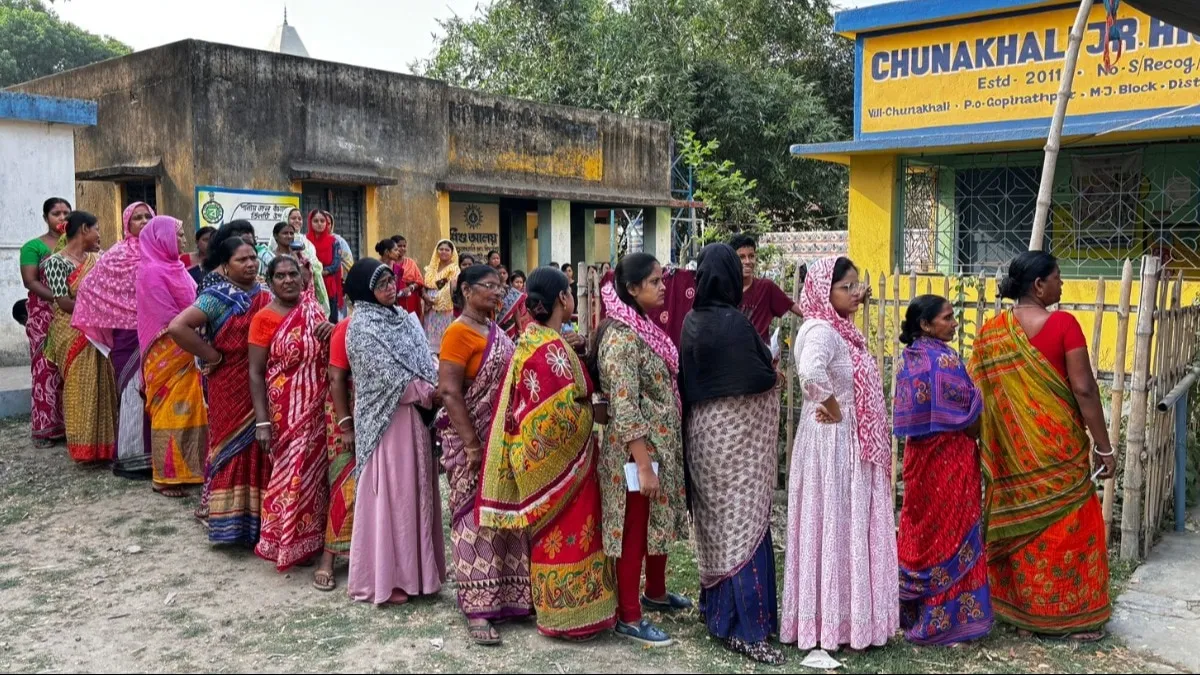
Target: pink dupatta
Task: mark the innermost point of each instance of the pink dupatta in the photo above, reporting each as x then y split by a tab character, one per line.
660	343
166	286
107	299
874	423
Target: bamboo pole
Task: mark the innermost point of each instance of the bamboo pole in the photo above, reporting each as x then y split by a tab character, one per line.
1154	430
1136	440
866	311
896	350
583	305
999	300
980	310
882	325
1118	389
1054	140
1097	326
797	289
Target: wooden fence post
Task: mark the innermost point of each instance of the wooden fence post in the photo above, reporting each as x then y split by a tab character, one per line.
1097	326
896	350
1131	509
797	290
1118	388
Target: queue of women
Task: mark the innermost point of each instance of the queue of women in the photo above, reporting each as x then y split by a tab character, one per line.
309	434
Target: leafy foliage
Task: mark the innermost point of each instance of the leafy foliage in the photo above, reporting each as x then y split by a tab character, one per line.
753	75
35	42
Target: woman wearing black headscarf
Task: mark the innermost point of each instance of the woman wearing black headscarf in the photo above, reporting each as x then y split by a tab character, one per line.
397	550
732	427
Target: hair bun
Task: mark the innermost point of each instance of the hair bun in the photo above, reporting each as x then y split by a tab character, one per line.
1007	288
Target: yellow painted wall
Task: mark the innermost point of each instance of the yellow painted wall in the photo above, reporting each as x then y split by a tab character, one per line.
872	198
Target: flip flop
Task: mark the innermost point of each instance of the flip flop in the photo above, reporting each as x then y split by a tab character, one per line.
169	491
323	581
484	635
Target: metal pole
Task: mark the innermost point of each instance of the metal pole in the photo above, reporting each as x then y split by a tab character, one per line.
1181	420
1045	192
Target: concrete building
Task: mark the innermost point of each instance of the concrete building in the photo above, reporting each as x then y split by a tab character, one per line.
37	161
207	132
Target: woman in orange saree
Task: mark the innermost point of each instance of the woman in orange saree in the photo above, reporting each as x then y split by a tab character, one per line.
1046	541
540	471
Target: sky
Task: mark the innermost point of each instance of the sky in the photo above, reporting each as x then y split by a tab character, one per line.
384	34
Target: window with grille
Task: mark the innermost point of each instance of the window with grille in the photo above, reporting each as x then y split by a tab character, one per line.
971	214
140	191
347	206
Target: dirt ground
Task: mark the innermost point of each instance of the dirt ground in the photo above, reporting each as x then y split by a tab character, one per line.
97	574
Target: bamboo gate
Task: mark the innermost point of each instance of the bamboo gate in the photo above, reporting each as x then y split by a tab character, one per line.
1154	345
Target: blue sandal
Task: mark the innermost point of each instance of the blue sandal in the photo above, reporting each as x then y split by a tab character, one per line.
644	633
673	603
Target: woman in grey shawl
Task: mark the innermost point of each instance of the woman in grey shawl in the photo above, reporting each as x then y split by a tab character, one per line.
398	549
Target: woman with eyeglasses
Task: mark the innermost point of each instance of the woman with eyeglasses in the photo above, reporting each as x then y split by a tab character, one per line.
491	566
839	582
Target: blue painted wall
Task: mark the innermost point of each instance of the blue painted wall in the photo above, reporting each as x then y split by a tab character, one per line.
31	108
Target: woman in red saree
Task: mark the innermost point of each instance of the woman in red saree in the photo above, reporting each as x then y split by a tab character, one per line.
1046	541
540	471
237	469
944	597
289	355
46	414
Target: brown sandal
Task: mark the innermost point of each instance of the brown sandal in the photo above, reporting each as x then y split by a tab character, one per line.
484	635
169	491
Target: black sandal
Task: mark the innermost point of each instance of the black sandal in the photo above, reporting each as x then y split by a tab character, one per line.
761	652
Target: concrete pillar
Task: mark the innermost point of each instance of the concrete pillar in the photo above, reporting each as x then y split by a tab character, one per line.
518	239
583	234
554	231
656	232
872	237
443	212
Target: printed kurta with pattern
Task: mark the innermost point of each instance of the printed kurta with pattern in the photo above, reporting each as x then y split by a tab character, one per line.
641	405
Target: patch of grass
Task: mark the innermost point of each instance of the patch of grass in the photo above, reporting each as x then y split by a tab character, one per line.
1120	571
153	528
119	520
10	582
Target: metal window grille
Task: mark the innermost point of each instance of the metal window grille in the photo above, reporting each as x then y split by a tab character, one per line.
970	214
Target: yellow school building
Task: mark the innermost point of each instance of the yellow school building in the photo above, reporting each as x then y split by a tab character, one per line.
953	100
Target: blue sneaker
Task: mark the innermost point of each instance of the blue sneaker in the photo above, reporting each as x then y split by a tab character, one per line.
673	603
644	633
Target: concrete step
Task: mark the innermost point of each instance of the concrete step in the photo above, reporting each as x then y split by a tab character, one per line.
15	388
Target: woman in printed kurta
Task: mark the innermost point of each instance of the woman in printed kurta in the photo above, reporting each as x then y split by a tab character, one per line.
637	365
174	388
728	384
237	469
397	551
439	288
1046	540
839	580
46	415
545	404
491	566
89	389
106	312
943	570
289	357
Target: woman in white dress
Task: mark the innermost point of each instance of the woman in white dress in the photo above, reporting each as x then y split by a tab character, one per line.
840	581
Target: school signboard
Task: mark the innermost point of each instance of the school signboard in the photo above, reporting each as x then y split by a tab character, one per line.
1008	69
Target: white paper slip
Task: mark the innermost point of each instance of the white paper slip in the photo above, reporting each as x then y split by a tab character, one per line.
820	659
775	344
631	475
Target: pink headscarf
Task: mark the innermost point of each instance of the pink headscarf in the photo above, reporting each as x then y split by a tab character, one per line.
166	287
874	423
107	297
660	343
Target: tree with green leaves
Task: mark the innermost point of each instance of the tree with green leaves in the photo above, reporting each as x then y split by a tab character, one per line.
753	75
35	42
